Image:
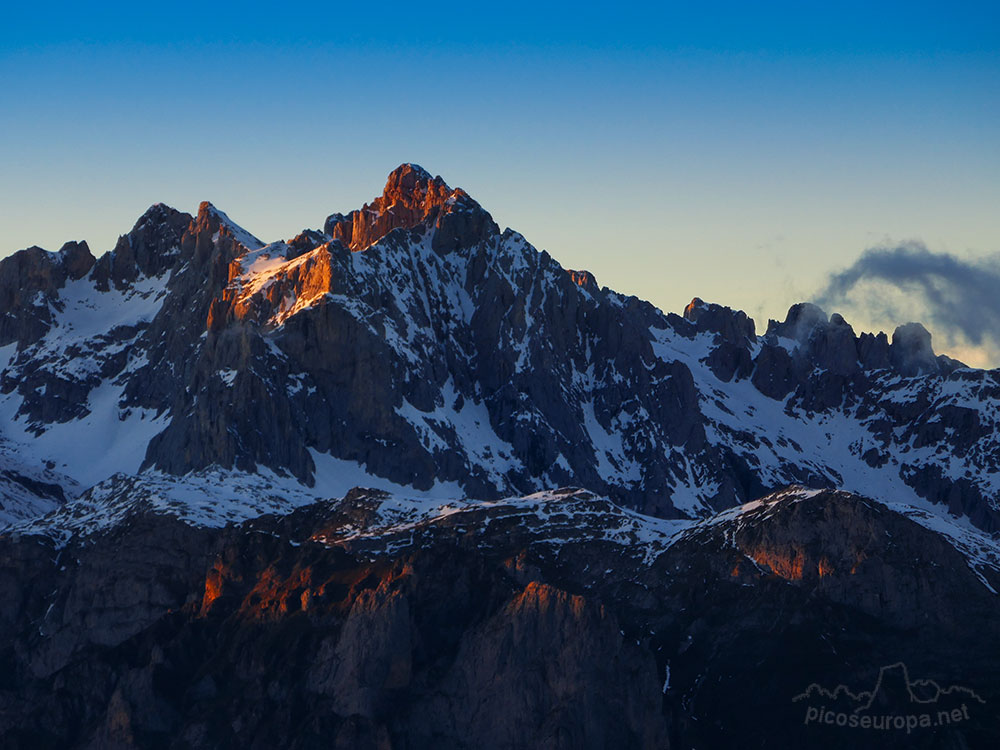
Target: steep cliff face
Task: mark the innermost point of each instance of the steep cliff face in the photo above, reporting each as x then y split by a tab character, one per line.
559	620
414	344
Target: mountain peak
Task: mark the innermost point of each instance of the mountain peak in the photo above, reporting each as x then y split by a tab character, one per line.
77	258
800	321
407	177
412	186
911	351
207	213
157	214
735	326
694	308
412	197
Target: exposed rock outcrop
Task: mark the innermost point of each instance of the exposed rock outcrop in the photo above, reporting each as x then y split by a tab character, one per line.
911	352
30	281
150	249
412	197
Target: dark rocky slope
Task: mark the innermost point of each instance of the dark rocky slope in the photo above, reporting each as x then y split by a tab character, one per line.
548	622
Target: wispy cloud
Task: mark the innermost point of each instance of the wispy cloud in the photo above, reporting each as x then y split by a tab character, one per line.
958	299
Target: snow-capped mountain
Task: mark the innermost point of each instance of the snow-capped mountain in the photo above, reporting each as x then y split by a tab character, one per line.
406	482
413	346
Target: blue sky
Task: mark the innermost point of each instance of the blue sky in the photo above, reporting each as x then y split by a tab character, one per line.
736	151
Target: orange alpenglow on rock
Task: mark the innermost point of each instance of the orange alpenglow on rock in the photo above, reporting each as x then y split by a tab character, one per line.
693	308
788	565
583	279
411	197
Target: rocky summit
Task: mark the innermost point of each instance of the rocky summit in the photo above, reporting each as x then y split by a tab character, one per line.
407	482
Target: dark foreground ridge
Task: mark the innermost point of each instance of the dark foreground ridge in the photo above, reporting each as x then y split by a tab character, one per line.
558	621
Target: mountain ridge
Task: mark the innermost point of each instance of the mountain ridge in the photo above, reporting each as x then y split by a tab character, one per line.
583	623
446	352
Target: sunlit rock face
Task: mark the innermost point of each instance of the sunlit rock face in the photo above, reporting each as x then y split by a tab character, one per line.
413	342
411	198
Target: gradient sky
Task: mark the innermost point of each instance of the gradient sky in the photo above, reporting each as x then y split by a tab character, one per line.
735	151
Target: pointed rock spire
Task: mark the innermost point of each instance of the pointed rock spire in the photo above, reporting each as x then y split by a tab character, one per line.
911	352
